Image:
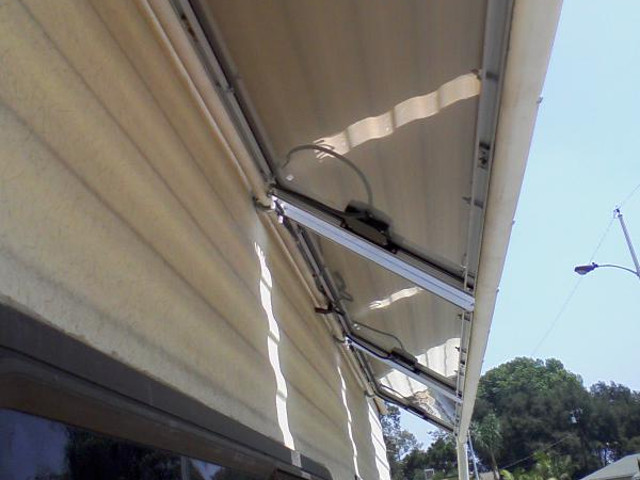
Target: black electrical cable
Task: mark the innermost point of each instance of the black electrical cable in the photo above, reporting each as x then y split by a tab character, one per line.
380	332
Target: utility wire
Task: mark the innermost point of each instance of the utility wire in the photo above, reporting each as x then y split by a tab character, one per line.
572	292
628	197
549	447
604	235
564	306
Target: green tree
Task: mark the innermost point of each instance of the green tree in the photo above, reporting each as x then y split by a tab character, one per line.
399	442
488	438
546	467
539	406
407	460
440	456
614	423
534	402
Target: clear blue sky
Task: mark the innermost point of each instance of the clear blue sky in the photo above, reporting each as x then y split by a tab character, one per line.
584	160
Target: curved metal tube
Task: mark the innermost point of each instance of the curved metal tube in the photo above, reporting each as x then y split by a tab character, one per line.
338	156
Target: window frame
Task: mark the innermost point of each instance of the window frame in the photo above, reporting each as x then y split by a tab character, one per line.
46	373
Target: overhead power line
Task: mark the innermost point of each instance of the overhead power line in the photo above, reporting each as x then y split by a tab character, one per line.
631	194
541	450
572	292
563	307
574	289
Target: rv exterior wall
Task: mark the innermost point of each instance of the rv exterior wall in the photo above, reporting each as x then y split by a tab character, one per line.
125	224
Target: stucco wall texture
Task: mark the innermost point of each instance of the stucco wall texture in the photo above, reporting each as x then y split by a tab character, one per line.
124	223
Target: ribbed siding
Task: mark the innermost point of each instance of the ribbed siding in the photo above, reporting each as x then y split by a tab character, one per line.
124	223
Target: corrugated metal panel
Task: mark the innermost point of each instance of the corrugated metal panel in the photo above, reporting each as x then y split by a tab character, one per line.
125	224
354	76
375	106
382	300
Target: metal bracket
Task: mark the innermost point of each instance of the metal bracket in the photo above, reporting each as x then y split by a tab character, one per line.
387	396
456	287
402	362
398	260
398	362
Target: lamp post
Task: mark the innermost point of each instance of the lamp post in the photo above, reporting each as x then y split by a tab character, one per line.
584	269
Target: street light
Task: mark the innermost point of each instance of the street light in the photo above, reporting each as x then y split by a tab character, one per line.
584	269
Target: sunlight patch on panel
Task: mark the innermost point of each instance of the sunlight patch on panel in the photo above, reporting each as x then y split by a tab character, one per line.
419	395
273	341
410	110
394	297
444	358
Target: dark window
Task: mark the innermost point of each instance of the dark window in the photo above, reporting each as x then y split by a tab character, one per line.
34	448
147	430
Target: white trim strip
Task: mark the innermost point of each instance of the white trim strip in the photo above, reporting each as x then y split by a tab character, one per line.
445	288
